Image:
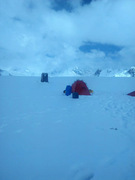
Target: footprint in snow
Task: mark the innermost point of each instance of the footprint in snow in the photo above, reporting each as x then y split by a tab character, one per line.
83	174
87	177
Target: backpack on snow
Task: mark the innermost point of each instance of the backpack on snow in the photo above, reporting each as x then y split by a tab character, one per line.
68	90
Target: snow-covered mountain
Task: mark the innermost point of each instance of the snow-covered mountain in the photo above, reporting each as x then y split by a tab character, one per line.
116	73
4	73
76	71
16	72
131	71
106	72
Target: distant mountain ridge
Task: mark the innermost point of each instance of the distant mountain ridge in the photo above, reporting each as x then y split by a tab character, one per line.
4	73
75	72
107	72
116	73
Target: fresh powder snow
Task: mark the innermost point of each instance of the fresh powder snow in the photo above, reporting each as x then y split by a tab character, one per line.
45	135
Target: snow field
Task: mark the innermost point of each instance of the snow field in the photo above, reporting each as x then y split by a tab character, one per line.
45	135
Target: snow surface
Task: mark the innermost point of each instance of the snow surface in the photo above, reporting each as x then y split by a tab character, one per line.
45	135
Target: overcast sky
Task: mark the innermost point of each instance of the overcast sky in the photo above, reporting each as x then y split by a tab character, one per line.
59	35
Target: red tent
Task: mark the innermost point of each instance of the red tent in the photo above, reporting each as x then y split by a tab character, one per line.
132	93
80	87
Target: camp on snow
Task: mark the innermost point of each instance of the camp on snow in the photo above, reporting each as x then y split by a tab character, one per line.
79	87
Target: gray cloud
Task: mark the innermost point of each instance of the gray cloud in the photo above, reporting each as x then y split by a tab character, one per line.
46	35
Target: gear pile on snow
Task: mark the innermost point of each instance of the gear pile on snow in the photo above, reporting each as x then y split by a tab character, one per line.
78	87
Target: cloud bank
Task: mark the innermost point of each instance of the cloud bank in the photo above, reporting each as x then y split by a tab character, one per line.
47	35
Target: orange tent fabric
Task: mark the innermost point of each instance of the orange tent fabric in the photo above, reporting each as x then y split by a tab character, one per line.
80	87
